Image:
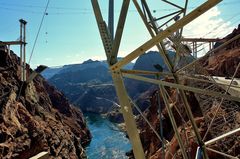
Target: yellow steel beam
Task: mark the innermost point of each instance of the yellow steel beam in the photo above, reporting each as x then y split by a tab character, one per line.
222	153
161	50
12	42
104	32
119	31
172	119
129	120
155	40
207	81
222	137
142	72
126	108
170	67
200	39
41	155
182	87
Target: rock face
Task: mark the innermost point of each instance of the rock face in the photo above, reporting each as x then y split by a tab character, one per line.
89	85
225	61
36	117
151	61
90	88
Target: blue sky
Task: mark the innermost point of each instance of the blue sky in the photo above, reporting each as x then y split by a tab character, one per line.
69	33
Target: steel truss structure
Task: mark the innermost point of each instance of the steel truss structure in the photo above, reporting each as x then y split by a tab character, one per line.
207	91
22	43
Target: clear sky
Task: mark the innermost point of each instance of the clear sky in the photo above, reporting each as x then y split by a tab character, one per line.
69	33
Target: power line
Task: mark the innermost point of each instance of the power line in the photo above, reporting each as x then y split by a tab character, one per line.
75	8
37	6
40	26
38	12
20	10
216	29
15	7
223	22
39	29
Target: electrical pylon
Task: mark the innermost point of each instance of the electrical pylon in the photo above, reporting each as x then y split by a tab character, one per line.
164	29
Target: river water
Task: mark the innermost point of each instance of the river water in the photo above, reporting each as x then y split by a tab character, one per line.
107	142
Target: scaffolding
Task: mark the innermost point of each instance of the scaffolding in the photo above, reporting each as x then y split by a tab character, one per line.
210	95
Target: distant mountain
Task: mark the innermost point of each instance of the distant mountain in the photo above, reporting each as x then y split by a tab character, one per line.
51	71
152	61
89	85
148	60
98	74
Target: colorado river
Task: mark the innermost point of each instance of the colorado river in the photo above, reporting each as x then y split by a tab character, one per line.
107	142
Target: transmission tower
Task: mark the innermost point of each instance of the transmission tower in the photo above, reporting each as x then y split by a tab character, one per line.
164	30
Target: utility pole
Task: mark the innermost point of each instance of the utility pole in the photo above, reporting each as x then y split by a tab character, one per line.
22	43
23	49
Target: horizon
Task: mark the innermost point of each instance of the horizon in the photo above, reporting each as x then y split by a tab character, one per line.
70	35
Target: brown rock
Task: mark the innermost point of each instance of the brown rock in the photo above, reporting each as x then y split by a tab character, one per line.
39	118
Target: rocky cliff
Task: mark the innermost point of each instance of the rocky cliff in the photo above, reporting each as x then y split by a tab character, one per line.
89	88
36	117
88	85
225	61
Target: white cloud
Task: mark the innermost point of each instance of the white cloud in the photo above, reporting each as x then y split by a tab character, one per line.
77	55
209	25
123	53
48	59
98	57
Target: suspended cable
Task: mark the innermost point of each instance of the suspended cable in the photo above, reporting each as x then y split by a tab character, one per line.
42	7
38	12
16	7
21	87
223	22
215	29
39	29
